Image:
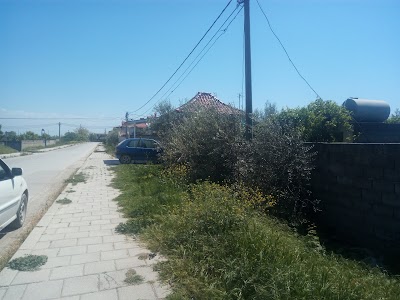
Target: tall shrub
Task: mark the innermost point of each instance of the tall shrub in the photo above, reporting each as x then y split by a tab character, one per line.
277	162
112	138
204	141
319	121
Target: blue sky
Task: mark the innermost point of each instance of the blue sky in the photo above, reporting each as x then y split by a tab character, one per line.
87	62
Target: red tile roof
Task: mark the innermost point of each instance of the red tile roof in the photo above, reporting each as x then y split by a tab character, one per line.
207	100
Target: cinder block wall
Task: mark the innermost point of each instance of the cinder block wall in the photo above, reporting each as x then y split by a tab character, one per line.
377	133
359	189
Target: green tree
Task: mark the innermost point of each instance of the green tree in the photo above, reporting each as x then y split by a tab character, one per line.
69	137
82	134
319	121
30	135
270	110
112	138
10	136
165	118
1	134
395	117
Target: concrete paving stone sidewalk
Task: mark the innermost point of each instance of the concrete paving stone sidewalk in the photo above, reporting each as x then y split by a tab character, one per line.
87	259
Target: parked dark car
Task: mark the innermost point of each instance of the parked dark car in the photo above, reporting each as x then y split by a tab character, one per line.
137	150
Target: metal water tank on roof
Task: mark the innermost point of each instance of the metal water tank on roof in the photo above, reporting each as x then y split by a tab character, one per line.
365	110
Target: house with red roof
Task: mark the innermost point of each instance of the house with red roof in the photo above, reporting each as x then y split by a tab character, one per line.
207	100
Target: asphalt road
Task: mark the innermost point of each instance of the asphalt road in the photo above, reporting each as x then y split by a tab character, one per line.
45	174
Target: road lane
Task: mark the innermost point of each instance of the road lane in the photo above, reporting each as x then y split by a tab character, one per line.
45	174
42	171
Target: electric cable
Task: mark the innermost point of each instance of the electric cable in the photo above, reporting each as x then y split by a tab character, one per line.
173	74
58	118
284	49
221	33
173	87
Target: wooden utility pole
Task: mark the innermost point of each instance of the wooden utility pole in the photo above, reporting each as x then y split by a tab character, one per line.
247	49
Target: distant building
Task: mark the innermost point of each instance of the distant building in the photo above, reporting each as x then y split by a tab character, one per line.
206	100
133	128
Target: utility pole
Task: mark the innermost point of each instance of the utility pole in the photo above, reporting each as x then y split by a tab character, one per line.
126	123
59	131
249	97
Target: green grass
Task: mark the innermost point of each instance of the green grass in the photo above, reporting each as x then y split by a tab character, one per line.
6	150
76	178
28	262
219	248
110	149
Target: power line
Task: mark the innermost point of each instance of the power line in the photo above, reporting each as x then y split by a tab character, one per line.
221	32
284	49
173	74
59	118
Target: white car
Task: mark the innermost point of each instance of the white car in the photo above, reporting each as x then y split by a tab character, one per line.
13	197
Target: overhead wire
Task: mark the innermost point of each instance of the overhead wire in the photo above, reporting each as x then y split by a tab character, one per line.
179	67
284	49
220	31
223	32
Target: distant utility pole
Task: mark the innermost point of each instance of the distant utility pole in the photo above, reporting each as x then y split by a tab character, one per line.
126	123
249	97
59	131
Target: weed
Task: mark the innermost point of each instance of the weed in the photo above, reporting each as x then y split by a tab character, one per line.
64	201
28	262
70	191
133	278
143	256
77	178
219	247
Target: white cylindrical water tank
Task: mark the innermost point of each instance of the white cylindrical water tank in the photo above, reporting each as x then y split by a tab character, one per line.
365	110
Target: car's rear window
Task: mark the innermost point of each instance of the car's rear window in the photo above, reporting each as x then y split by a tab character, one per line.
149	144
133	143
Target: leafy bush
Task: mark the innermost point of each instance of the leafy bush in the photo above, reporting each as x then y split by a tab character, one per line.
112	138
165	117
218	248
205	142
319	121
394	118
279	164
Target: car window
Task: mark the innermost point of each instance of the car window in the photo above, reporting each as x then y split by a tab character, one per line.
133	143
149	144
3	174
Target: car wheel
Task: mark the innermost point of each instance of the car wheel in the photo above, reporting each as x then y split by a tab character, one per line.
21	213
125	159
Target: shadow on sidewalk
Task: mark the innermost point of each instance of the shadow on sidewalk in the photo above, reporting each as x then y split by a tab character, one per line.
111	162
6	230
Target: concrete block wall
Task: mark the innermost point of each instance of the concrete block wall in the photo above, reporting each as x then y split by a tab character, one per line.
359	189
22	145
376	133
